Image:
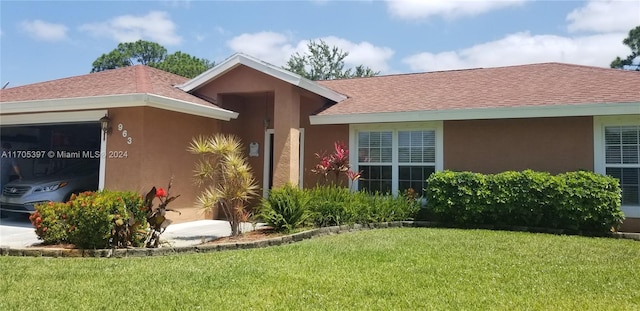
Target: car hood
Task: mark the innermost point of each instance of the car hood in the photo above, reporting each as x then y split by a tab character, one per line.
44	180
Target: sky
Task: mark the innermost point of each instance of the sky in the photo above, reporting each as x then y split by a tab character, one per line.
47	40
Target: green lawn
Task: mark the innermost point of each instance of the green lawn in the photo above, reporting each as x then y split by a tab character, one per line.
386	269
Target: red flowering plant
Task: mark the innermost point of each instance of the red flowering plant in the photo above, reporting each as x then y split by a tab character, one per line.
50	222
336	163
156	216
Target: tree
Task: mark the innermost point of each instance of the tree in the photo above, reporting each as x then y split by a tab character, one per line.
325	63
633	42
154	55
224	171
184	64
129	53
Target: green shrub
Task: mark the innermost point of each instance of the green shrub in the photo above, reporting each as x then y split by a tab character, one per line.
385	207
95	216
51	222
286	208
592	201
333	205
577	200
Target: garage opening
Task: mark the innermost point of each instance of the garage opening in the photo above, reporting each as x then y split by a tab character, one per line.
55	160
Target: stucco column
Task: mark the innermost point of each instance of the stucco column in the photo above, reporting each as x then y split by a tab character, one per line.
286	141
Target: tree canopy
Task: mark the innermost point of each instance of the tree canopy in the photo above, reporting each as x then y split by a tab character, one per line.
633	42
323	62
154	55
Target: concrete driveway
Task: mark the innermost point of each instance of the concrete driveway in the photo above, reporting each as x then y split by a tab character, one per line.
16	231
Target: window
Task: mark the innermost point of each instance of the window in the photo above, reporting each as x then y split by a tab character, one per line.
616	141
622	151
416	159
394	159
375	158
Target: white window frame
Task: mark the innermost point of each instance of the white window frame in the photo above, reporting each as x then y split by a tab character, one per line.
599	157
436	126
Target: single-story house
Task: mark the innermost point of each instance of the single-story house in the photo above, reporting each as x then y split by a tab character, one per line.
549	117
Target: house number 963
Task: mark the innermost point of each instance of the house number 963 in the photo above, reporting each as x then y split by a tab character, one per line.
125	134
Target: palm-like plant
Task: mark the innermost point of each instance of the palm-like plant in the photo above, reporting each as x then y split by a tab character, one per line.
227	177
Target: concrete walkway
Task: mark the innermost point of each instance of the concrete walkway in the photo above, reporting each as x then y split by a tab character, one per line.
16	231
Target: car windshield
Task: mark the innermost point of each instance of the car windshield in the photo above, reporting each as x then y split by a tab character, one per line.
80	169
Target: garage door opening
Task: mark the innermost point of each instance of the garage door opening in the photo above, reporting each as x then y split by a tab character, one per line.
55	160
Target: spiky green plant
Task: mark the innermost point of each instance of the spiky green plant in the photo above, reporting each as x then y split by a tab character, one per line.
227	177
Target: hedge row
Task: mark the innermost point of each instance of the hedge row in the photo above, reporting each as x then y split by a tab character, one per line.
582	201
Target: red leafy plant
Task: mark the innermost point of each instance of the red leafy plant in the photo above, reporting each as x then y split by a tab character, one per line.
336	163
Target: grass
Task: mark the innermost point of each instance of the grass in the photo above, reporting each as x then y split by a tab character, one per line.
388	269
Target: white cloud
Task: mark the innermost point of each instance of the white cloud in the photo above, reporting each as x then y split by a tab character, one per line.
524	48
45	31
449	9
605	16
271	47
362	53
277	48
155	26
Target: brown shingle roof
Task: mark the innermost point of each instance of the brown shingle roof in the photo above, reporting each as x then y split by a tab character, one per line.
516	86
127	80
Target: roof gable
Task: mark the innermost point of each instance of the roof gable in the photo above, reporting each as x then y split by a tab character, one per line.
240	59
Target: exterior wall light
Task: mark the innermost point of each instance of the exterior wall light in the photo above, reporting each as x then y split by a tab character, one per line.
105	123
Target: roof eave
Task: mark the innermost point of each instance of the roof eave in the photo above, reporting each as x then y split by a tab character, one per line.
596	109
266	68
115	101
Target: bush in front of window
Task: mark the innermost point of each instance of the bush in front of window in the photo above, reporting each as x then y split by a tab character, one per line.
332	205
289	208
580	201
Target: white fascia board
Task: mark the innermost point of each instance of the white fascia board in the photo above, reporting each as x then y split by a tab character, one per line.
256	64
77	103
210	74
53	117
167	103
115	101
602	109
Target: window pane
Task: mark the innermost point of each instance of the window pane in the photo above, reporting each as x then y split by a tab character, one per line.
404	154
363	155
429	139
363	139
416	139
386	155
629	183
385	172
404	139
386	139
375	154
629	135
374	139
613	155
414	177
612	135
430	154
416	155
630	154
375	178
